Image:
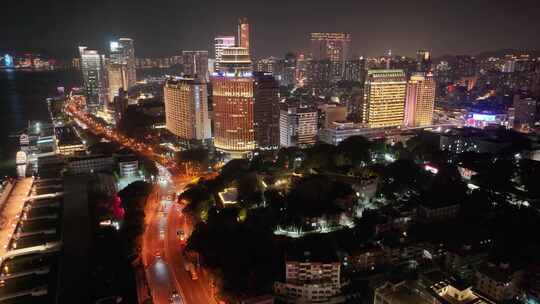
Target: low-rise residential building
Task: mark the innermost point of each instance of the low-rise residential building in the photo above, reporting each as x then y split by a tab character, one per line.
310	281
90	163
128	165
433	287
366	258
498	282
433	213
402	293
67	141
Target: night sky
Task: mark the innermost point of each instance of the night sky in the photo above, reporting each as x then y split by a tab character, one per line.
163	27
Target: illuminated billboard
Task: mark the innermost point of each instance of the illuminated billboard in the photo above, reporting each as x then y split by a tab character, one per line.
485	117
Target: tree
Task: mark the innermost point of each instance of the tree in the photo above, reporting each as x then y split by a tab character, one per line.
198	155
320	157
134	198
356	150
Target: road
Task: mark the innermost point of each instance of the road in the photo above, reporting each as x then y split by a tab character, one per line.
157	269
162	250
198	291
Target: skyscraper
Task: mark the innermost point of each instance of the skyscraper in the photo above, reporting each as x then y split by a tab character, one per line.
331	46
354	70
220	43
233	114
319	72
186	110
423	61
243	33
525	113
121	68
420	100
196	64
235	60
297	125
384	98
94	78
123	52
266	111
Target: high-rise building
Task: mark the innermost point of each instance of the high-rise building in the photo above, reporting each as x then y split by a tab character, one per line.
235	60
297	125
121	68
268	65
120	103
464	66
423	61
288	77
221	43
94	78
123	52
233	113
353	70
117	79
266	111
525	109
383	104
243	33
196	64
186	110
420	100
331	46
319	72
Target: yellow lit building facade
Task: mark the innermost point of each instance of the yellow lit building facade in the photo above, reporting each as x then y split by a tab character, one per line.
383	104
233	114
420	100
186	108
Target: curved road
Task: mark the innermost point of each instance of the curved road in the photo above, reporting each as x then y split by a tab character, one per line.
162	251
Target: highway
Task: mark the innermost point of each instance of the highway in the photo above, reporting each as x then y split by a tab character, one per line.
162	250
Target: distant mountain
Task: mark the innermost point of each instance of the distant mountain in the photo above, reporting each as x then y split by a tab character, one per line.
498	53
502	52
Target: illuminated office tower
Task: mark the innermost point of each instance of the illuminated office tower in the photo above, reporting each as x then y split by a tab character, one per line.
243	33
221	43
384	98
266	111
235	60
196	64
121	69
423	61
233	113
123	52
186	110
297	125
525	113
420	100
331	46
94	78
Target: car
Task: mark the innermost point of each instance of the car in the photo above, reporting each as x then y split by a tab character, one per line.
181	234
174	297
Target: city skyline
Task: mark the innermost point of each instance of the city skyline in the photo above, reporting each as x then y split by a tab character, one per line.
440	29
